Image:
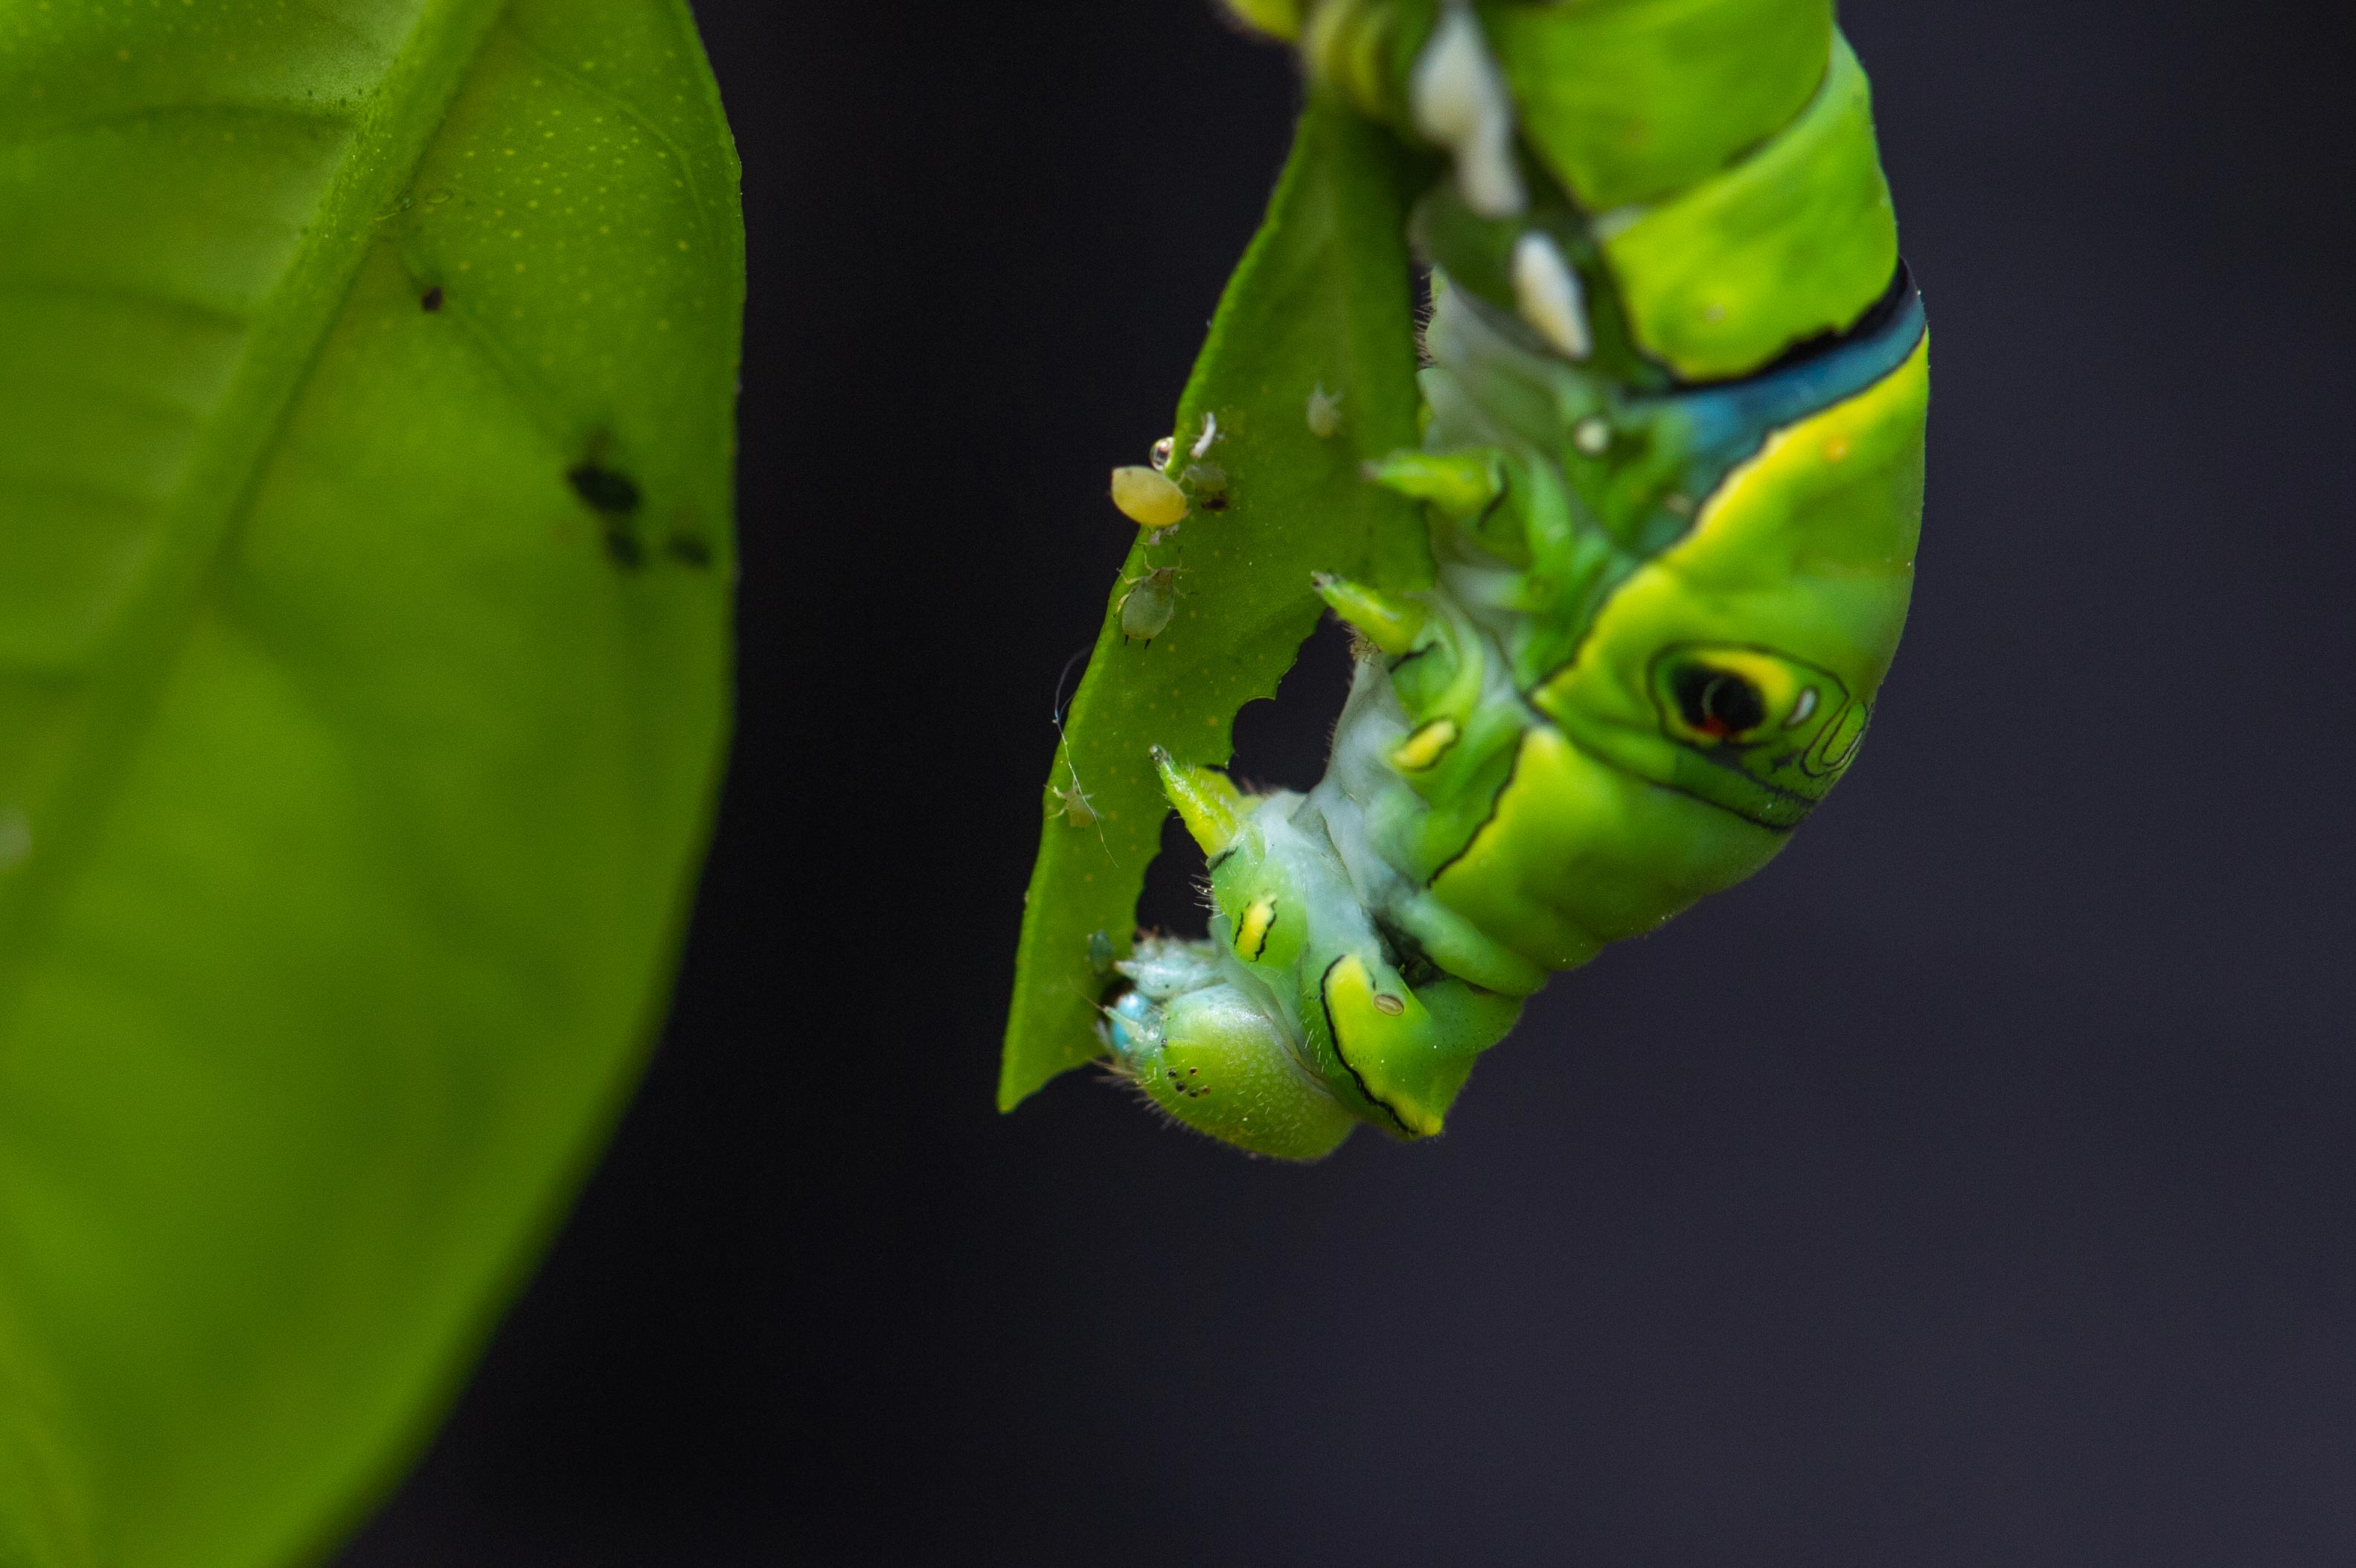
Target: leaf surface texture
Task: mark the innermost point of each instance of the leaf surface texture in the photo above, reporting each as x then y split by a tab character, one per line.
366	381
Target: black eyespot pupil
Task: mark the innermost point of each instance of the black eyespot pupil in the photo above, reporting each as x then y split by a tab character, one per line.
1718	701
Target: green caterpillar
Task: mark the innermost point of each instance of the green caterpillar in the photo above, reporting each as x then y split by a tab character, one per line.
1670	485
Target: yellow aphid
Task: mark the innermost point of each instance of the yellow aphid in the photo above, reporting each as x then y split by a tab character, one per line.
1147	499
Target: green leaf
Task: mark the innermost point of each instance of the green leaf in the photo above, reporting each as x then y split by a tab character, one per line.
366	377
1324	298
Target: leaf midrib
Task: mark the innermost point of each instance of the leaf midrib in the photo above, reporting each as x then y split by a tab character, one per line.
286	336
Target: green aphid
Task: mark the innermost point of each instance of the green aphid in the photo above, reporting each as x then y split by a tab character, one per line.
1147	609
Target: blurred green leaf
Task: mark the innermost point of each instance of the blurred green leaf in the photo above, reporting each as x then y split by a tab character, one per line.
366	377
1324	302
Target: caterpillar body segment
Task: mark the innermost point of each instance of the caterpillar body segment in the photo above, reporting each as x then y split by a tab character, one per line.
1671	478
1715	158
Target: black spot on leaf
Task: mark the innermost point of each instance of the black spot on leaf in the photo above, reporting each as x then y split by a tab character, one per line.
613	494
623	548
689	550
431	300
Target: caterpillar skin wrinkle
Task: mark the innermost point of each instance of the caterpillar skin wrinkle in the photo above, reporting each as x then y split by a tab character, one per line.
1674	414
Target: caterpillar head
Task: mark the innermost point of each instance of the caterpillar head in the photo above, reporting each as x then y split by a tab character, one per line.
1215	1059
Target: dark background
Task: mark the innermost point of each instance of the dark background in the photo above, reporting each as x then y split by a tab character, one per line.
1975	1185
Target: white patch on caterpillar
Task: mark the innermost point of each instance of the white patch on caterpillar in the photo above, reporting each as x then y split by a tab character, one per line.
1802	709
1459	100
1549	297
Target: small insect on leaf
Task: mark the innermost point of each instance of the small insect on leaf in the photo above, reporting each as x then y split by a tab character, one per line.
1152	599
1072	804
1147	499
1325	414
1208	483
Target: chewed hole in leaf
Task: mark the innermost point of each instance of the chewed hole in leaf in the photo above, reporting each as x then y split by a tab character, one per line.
1282	745
1279	745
